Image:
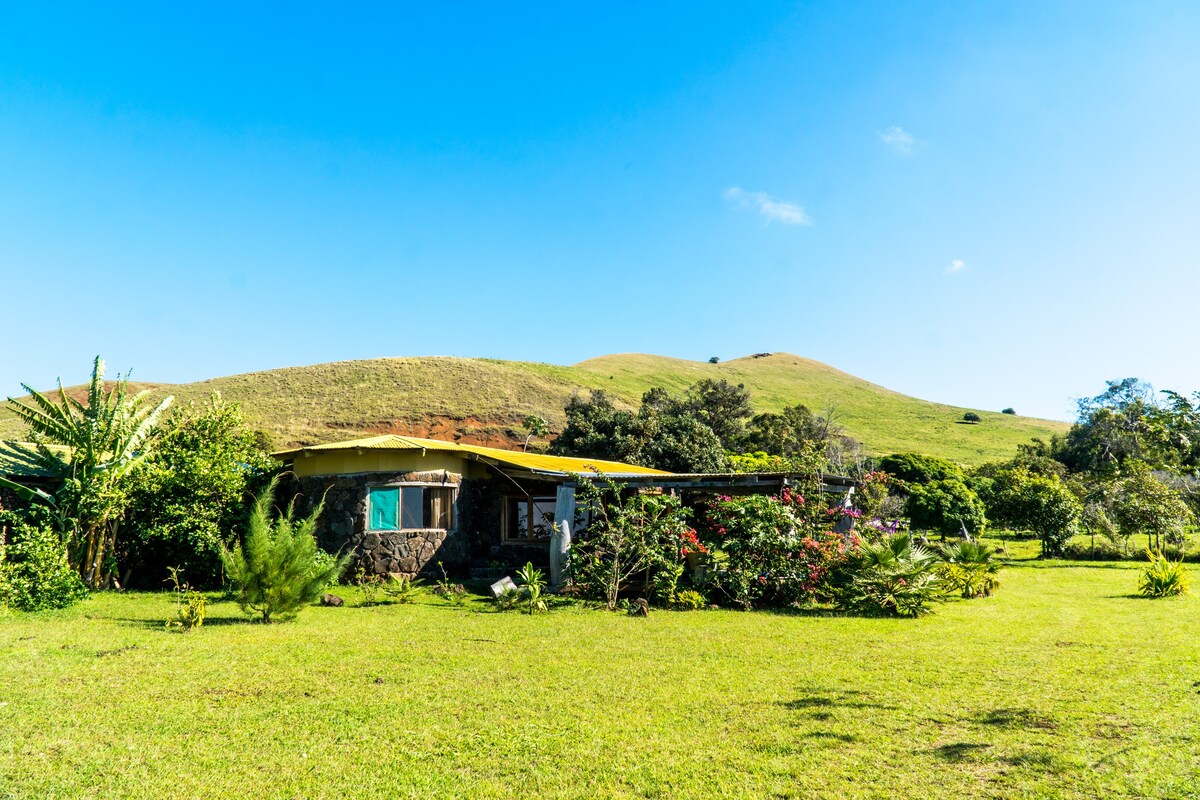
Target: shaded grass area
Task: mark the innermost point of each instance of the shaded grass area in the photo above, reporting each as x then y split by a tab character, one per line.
487	400
1059	686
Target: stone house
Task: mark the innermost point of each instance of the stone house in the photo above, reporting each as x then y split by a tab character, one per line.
402	504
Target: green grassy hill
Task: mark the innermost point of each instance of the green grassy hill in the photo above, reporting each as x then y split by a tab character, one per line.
484	401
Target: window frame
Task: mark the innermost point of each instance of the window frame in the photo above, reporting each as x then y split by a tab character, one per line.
506	536
400	487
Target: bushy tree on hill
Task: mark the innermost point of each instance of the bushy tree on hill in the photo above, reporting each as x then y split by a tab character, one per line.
790	431
680	443
723	407
664	434
597	429
916	468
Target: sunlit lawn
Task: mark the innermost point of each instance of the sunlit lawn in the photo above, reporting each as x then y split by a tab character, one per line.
1063	684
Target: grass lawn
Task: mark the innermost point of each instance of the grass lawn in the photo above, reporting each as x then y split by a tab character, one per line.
1062	685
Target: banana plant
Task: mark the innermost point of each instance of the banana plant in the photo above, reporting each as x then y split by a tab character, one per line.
93	448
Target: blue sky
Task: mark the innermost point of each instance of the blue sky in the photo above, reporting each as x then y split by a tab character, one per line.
985	204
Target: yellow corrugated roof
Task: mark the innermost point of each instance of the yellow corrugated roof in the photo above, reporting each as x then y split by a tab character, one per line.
531	461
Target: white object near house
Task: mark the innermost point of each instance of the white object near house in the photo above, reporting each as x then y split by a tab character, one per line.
503	585
560	553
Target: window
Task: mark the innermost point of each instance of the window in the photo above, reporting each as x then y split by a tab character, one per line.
396	508
517	514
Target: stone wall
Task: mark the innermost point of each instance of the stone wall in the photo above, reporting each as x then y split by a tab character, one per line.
343	524
475	540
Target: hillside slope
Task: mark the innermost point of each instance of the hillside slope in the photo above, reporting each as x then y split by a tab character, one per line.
483	401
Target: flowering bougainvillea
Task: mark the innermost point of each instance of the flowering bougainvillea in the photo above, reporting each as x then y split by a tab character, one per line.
690	543
766	552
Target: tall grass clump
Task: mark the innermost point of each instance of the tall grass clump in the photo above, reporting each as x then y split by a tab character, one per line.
1163	577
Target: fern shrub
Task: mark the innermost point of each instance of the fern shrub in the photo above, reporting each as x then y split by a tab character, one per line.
1163	577
279	569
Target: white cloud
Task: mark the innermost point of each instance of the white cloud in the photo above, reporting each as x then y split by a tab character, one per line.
769	208
899	140
957	265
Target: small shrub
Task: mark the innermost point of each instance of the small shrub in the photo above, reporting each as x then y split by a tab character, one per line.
970	569
34	573
453	593
509	599
1163	577
665	583
189	604
895	577
402	589
532	583
690	600
369	586
628	541
278	569
1007	411
325	563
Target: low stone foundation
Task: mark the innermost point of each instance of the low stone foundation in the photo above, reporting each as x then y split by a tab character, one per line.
408	553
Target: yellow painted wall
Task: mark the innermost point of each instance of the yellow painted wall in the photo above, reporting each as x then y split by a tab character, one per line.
349	462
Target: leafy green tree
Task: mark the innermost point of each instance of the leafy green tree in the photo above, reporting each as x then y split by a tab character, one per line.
279	569
597	429
1141	503
916	468
96	449
721	406
972	417
1036	458
534	426
945	506
1126	423
665	434
193	494
677	441
1044	505
789	432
